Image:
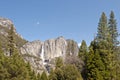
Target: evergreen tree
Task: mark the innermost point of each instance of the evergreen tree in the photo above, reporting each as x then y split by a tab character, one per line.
103	45
83	50
112	25
11	42
75	60
15	65
3	71
102	28
94	66
70	72
65	72
83	56
30	72
106	44
58	62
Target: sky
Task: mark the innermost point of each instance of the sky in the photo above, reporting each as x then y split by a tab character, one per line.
46	19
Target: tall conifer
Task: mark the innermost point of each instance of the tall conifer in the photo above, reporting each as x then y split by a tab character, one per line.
11	42
102	28
112	25
83	50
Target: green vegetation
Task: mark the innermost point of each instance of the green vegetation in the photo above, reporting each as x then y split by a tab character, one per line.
4	38
44	76
13	67
64	72
99	61
102	60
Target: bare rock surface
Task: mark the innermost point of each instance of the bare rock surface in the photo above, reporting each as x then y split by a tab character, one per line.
44	52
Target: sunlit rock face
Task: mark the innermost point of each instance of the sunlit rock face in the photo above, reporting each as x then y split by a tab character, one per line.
5	22
5	25
40	53
32	48
55	48
31	52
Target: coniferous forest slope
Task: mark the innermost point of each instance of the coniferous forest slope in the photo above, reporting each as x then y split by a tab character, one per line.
60	59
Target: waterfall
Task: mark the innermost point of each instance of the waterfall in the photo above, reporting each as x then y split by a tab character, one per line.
42	54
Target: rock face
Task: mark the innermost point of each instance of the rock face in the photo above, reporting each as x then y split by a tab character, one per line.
5	25
55	48
46	51
32	48
5	22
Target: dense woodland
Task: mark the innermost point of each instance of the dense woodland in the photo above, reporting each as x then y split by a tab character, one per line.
99	61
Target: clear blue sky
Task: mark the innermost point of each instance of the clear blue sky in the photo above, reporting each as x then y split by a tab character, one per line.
45	19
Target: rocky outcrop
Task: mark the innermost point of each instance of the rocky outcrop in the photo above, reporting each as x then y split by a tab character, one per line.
5	25
47	51
32	48
5	22
55	48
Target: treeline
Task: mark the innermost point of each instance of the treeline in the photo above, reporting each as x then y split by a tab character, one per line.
99	61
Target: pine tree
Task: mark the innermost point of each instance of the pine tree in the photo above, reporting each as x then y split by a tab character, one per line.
75	60
112	25
107	44
100	50
15	65
102	43
94	66
11	42
57	74
58	62
30	72
83	50
70	72
102	28
64	72
3	71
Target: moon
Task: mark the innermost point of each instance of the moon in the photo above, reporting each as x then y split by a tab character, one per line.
38	23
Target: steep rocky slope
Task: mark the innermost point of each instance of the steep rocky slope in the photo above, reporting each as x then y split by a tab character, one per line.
5	25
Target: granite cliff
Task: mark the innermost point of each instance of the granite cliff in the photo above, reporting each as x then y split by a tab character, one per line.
40	54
